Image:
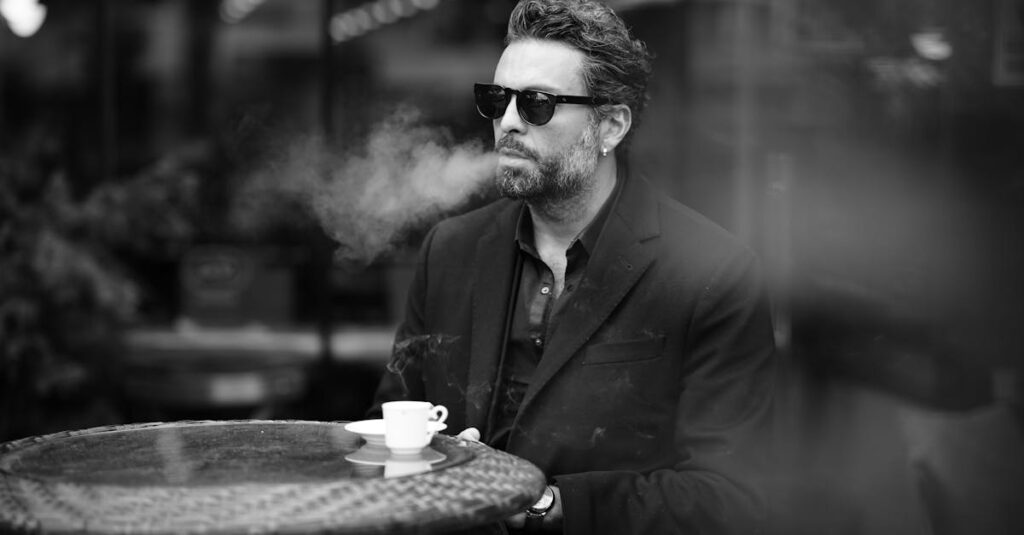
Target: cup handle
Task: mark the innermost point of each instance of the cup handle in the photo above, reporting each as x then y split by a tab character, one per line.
439	413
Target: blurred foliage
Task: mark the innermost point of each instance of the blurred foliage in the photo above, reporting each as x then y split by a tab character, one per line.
65	288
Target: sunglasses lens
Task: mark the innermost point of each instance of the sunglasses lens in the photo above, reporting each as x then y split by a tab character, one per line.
536	108
491	100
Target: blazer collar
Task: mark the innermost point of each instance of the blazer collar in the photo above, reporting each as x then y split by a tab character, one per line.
637	205
623	253
496	267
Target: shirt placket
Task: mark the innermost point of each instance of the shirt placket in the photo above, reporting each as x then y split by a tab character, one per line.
540	309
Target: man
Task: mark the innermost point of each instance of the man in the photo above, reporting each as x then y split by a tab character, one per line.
616	339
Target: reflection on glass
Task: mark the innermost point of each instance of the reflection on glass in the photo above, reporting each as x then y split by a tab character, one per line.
368	461
397	466
177	467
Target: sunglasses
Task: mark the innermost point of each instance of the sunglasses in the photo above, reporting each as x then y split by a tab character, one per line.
535	107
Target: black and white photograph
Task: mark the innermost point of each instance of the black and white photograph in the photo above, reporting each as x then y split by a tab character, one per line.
506	267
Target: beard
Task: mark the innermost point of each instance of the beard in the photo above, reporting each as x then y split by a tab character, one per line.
556	178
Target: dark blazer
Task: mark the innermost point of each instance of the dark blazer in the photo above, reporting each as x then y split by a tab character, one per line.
648	409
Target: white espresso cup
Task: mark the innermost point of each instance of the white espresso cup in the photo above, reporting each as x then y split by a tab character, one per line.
409	425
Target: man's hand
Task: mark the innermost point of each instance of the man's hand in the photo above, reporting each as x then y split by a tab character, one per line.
552	520
470	433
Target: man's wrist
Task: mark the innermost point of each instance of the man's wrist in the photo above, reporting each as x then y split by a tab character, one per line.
536	513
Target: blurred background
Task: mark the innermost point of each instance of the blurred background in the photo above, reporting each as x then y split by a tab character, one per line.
209	209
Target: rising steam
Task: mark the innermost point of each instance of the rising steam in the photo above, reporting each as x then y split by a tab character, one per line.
404	177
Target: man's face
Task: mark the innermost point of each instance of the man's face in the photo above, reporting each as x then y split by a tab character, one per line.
555	161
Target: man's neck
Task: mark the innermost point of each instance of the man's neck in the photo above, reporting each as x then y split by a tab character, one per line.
556	225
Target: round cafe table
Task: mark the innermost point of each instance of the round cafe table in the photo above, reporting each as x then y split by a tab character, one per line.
253	476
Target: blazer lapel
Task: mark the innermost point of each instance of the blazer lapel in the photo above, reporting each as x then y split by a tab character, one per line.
623	253
495	268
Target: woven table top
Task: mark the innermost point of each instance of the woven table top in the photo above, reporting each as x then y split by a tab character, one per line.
253	476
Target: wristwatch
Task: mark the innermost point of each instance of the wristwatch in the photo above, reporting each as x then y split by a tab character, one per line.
535	513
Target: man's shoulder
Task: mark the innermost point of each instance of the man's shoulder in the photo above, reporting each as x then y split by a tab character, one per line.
689	232
677	216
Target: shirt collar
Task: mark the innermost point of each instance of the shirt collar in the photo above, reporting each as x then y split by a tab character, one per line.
587	238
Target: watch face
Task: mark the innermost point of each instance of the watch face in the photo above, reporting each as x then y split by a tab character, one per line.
545	502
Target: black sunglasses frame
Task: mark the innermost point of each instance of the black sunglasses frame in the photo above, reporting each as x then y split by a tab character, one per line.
482	91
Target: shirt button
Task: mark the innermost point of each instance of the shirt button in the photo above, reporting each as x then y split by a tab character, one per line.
545	290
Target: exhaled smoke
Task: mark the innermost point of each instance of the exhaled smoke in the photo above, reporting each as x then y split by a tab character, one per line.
415	350
404	177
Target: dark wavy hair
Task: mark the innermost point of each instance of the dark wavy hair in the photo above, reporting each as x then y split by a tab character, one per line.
617	65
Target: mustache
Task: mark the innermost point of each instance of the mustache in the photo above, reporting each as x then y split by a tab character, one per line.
510	143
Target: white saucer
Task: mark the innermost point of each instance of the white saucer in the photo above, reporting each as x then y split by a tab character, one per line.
369	455
379	456
372	431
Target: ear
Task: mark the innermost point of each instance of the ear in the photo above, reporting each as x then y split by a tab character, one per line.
615	126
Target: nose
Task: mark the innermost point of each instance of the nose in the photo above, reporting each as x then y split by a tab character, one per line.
511	121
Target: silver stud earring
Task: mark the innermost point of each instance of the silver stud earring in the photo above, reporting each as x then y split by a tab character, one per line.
604	151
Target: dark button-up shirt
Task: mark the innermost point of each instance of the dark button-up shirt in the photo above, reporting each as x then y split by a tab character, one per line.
535	314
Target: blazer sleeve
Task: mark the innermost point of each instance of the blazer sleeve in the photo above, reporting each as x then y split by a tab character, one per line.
403	377
722	418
